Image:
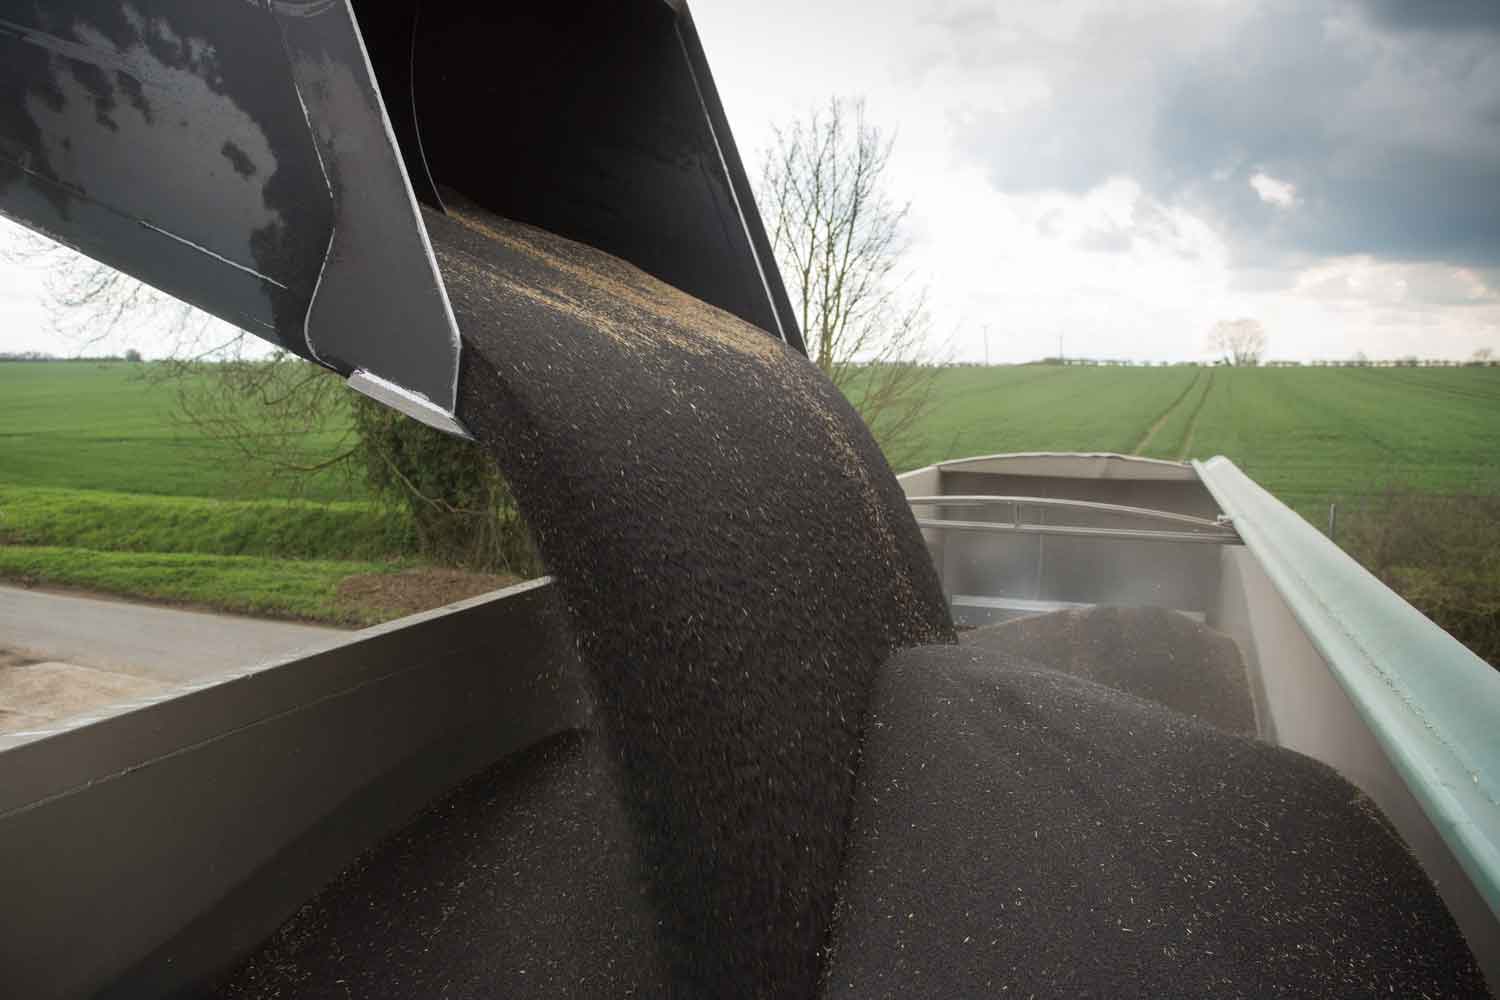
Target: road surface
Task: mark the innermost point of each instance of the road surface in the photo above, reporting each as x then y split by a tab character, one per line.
162	644
63	656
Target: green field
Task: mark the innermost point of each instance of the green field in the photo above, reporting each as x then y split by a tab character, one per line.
275	588
105	426
1310	435
101	487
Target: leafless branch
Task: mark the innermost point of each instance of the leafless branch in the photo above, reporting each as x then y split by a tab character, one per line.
1242	341
840	241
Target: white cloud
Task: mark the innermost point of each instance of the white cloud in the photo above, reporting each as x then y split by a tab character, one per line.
1109	269
1282	194
1395	284
23	320
26	319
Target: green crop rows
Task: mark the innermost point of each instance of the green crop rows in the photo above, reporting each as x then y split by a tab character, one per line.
101	487
1307	434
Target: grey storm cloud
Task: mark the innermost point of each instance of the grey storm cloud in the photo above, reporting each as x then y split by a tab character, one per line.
1383	115
1437	15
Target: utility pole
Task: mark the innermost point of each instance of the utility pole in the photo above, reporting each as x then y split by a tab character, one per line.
986	345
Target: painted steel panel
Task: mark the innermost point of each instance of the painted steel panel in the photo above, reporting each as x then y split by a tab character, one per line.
1431	704
161	843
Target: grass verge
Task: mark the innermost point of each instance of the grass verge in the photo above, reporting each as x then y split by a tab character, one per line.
1441	553
130	522
303	590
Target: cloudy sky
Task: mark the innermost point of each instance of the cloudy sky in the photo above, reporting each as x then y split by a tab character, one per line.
1117	176
1124	174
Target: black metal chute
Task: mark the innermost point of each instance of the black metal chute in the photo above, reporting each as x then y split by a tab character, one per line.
597	121
266	162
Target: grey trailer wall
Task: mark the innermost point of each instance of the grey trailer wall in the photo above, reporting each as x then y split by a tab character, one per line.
1302	706
157	844
1031	572
1354	676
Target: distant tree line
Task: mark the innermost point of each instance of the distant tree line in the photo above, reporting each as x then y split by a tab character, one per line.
1109	362
1357	362
131	355
1407	362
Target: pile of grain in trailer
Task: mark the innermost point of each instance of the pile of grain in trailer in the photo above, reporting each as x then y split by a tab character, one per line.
1153	653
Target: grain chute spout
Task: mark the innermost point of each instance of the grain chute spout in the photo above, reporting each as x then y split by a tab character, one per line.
268	162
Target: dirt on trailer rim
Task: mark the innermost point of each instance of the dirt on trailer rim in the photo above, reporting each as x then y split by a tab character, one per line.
37	693
408	591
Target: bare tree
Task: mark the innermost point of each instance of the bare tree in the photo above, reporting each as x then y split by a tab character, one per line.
840	241
286	419
1242	341
90	303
